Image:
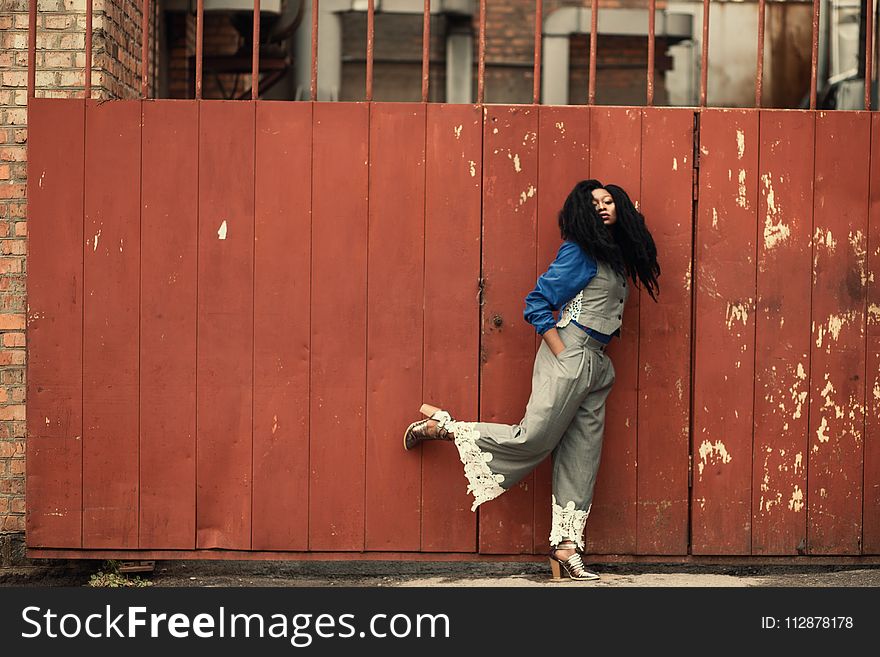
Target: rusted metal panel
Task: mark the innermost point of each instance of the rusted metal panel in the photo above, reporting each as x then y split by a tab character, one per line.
111	282
339	326
563	161
395	302
169	248
837	377
724	337
282	260
225	325
615	157
510	178
782	332
664	349
450	372
54	322
871	506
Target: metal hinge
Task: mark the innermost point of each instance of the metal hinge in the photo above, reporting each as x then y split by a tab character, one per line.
690	471
481	287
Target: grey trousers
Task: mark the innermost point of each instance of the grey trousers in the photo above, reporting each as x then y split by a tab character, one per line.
565	416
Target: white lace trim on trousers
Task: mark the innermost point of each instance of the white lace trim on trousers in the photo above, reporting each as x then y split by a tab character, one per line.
571	310
483	484
568	523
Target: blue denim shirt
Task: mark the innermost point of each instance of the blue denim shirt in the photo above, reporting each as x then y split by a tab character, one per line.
567	275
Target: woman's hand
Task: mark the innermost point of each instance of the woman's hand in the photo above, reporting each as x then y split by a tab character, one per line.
554	342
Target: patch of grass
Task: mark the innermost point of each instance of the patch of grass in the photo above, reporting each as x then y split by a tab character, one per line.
112	578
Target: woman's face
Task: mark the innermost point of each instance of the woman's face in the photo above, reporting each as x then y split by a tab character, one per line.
604	205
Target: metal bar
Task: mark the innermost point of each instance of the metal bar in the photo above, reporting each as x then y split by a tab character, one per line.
426	49
314	82
594	38
87	66
200	16
815	56
759	76
539	20
32	46
481	68
704	55
255	65
371	33
145	49
869	51
652	9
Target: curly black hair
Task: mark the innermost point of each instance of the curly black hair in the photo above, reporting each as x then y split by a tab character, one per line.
627	247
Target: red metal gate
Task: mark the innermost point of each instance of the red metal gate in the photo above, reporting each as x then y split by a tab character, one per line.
236	307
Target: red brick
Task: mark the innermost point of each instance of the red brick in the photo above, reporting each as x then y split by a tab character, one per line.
11	486
10	358
17	467
12	191
12	412
17	505
11	449
13	247
19	429
13	339
4	175
4	395
12	523
4	505
9	266
20	228
18	394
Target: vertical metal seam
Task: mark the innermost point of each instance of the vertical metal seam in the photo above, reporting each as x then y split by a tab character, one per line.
867	401
481	298
695	215
367	315
140	308
754	310
253	298
198	240
424	323
82	336
639	332
311	301
815	117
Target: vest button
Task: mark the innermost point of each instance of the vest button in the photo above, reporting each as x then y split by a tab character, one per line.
618	317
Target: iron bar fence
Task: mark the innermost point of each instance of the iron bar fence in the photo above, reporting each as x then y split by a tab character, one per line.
481	50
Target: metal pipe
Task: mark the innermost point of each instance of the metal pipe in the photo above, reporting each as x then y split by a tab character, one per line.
426	49
200	15
815	56
869	52
255	64
371	32
539	23
313	86
652	9
32	46
481	67
759	75
145	52
594	38
704	55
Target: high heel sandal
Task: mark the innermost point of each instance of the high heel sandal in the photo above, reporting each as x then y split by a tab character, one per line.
419	432
573	566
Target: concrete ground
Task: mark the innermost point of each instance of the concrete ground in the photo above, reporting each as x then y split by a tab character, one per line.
447	574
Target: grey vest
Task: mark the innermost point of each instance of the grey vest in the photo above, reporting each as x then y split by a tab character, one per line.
600	304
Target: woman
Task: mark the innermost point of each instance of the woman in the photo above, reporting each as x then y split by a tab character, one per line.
605	240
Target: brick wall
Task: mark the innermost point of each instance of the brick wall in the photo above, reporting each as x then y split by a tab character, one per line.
60	63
